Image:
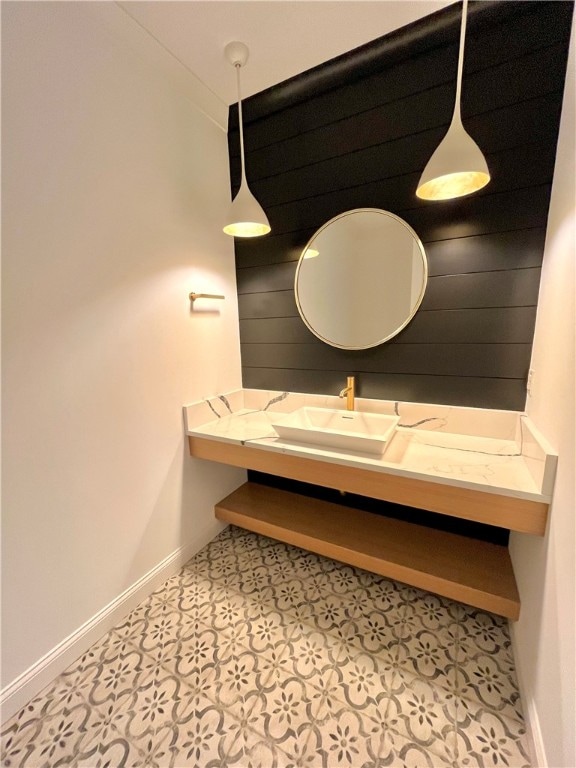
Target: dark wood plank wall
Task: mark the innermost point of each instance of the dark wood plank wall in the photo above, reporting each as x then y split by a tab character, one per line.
357	132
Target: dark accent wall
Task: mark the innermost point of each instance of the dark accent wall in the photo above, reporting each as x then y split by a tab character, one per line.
357	132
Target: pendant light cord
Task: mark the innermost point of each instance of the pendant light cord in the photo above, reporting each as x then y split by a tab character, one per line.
457	114
240	121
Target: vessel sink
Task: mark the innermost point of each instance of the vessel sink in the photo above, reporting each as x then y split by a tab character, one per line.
339	430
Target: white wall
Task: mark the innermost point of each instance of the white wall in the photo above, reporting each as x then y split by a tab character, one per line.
545	569
114	187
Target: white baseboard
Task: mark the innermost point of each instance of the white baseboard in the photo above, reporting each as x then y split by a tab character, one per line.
27	685
535	740
538	754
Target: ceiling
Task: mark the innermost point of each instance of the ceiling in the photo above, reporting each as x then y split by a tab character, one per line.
285	37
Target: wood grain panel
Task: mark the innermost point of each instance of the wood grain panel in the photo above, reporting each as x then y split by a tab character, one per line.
504	511
468	528
462	569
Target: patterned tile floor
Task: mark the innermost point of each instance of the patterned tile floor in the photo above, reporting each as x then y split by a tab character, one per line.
258	654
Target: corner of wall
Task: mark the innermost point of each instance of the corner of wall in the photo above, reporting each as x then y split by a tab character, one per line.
544	637
531	719
116	17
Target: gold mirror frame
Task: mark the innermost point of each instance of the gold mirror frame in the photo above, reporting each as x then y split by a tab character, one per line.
335	295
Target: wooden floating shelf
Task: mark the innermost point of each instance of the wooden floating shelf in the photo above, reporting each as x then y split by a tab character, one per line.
474	572
508	512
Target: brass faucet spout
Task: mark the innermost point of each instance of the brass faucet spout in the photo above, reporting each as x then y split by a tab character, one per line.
348	392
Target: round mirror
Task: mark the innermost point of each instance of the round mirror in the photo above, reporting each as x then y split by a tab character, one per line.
361	278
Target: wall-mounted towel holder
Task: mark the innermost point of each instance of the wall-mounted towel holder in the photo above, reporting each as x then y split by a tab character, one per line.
193	296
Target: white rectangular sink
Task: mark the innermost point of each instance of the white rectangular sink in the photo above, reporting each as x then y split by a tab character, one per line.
339	430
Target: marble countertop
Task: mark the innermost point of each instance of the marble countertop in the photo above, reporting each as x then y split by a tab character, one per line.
492	451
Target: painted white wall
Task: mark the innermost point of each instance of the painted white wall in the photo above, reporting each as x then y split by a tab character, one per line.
545	568
114	187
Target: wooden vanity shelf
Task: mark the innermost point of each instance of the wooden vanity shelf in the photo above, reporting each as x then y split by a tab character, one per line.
474	572
514	514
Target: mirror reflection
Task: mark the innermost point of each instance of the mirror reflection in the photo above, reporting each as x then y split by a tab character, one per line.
361	278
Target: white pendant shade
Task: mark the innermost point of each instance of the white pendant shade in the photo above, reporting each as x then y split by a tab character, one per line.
457	167
246	217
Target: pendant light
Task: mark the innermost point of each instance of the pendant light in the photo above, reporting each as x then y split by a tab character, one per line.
246	217
457	167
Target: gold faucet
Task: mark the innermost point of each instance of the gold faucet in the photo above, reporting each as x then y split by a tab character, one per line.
349	392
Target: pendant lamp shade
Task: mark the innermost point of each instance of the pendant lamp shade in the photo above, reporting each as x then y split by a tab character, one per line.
457	167
246	218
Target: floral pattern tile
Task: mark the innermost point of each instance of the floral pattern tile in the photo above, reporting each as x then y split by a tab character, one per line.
105	754
285	711
399	751
486	738
258	654
421	713
313	655
344	738
431	655
363	682
490	682
199	732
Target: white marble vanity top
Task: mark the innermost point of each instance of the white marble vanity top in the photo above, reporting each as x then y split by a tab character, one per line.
487	450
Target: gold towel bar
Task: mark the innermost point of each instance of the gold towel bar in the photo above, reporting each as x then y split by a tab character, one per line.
194	296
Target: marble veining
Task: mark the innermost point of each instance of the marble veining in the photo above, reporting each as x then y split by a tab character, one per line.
493	451
439	422
275	400
214	411
223	399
